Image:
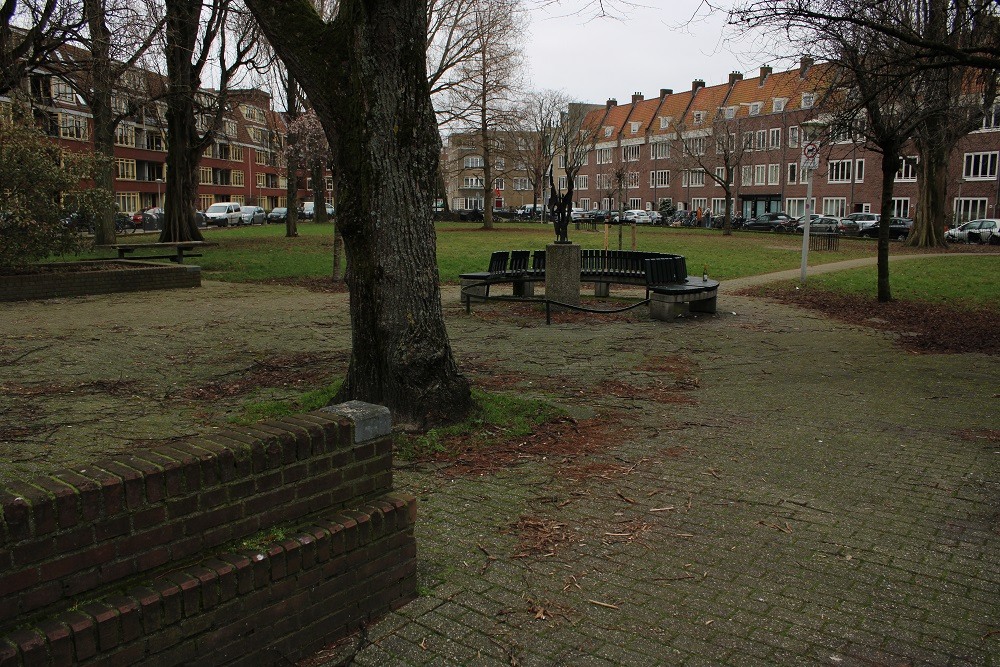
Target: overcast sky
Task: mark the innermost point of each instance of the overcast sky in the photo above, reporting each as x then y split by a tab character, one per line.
643	50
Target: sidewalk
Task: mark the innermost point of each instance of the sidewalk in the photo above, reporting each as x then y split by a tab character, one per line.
761	487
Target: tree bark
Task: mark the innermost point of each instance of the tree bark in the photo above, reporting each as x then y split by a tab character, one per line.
103	114
932	207
319	192
183	147
890	165
292	180
365	74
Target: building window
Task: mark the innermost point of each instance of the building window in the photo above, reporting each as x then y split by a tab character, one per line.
699	202
634	126
719	205
774	174
746	175
128	202
761	140
835	207
498	184
125	135
260	157
793	136
154	141
253	113
755	108
472	182
808	99
805	175
261	180
631	153
839	171
694	178
205	175
729	113
235	153
793	172
991	120
695	145
980	166
230	127
634	203
472	162
760	174
901	207
125	169
582	182
779	104
204	201
236	177
604	181
632	180
859	171
607	131
562	183
603	156
720	175
699	117
73	127
62	91
659	150
521	183
969	208
659	178
774	138
665	122
907	169
585	204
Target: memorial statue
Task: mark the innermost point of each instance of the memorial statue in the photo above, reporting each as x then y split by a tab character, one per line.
560	210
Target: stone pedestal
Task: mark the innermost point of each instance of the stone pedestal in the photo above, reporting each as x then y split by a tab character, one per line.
562	273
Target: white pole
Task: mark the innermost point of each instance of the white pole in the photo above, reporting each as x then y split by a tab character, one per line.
805	228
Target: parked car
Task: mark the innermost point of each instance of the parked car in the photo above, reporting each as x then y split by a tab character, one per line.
899	228
252	215
774	222
654	217
278	214
986	230
149	218
223	213
529	211
855	222
637	216
818	225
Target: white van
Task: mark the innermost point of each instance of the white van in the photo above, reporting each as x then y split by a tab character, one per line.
223	213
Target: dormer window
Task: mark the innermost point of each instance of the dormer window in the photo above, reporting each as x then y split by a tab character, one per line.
607	131
729	113
755	108
634	126
779	104
699	117
808	99
665	122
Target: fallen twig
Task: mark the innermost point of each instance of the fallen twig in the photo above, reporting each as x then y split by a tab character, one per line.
603	604
662	509
625	498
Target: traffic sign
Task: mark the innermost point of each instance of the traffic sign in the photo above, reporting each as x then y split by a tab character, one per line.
810	155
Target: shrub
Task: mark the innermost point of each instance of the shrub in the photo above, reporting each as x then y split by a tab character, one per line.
39	184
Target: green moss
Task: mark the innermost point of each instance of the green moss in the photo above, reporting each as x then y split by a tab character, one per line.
312	400
494	417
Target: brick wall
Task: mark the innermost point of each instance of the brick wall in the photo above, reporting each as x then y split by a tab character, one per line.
137	277
133	559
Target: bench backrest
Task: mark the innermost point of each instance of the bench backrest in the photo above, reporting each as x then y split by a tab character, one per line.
498	261
666	270
538	262
519	261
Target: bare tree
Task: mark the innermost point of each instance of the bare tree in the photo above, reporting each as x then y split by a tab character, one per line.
199	34
31	31
529	144
365	74
484	89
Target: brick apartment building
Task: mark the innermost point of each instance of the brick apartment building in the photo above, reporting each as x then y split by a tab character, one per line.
664	149
244	163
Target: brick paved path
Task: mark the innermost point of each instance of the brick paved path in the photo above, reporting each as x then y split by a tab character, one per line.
784	490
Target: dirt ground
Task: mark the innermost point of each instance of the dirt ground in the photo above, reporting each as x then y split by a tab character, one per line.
97	376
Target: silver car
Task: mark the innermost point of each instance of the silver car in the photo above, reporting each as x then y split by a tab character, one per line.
252	215
986	230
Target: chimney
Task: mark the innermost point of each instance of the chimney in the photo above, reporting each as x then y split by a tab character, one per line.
636	97
734	77
666	91
765	71
804	64
612	102
696	84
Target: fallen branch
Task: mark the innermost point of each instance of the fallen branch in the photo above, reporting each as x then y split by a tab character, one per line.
603	604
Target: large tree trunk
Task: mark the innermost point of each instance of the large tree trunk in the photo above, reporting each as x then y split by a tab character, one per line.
890	165
932	207
365	74
103	114
292	180
338	238
183	150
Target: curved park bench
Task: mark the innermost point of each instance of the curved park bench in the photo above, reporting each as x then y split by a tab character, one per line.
669	290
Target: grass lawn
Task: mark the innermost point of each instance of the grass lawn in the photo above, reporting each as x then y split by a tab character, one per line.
252	254
263	253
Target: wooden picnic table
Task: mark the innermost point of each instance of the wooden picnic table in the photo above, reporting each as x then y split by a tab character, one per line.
179	249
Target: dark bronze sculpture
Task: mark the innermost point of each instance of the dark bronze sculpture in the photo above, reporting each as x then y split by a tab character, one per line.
560	210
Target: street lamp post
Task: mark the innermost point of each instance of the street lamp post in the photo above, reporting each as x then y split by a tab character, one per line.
810	161
159	202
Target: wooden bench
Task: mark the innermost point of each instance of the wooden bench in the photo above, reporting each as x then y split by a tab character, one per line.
669	289
179	249
673	293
